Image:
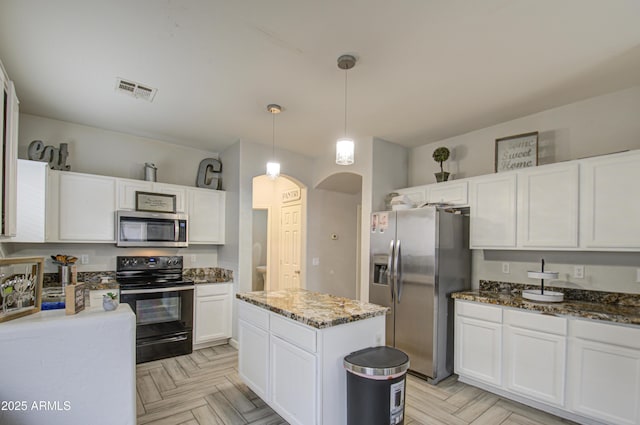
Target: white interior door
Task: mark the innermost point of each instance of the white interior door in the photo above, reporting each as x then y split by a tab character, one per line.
290	241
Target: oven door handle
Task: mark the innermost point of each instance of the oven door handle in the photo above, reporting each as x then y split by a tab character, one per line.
156	290
164	340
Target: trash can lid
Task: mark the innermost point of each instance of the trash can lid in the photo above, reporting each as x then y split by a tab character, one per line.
377	361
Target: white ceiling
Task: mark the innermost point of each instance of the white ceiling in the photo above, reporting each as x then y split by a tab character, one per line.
426	70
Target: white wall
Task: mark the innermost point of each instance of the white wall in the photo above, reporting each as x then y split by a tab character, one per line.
594	126
96	151
336	273
603	271
390	170
383	167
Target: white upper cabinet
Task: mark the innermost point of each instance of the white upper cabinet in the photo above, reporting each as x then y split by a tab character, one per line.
493	211
174	189
417	194
548	206
8	156
206	216
610	205
127	192
454	193
127	189
86	208
32	201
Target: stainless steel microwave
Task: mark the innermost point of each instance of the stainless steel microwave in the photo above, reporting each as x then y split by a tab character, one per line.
138	228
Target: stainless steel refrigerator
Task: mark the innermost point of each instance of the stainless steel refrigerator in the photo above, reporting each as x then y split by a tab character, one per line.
418	258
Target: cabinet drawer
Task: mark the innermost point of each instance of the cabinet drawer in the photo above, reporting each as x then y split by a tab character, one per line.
254	315
536	322
608	334
204	289
299	335
479	311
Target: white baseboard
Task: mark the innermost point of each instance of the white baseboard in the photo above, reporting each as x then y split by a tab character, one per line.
234	343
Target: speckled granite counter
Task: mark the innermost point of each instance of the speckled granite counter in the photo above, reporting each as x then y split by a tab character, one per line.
209	275
312	308
590	310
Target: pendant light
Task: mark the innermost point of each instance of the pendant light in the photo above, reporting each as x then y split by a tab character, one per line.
273	167
345	146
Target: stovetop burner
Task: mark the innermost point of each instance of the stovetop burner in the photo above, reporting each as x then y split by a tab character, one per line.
150	272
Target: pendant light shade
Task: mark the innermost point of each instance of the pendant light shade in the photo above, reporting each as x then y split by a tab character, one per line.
345	151
273	166
273	170
345	147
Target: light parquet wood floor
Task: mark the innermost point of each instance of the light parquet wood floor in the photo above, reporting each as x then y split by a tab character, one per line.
203	388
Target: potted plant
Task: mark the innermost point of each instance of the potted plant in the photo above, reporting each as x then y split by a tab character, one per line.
440	155
110	301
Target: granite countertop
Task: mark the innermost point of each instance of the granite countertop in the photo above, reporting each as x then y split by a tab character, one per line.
628	314
312	308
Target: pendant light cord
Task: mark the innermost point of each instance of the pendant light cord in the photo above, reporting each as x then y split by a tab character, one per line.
345	102
273	138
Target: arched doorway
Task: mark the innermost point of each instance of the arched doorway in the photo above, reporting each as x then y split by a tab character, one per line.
279	233
338	213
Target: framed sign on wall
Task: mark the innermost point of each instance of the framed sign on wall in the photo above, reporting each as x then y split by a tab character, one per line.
514	152
155	202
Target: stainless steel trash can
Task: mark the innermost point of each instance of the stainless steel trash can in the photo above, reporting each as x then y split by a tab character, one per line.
375	386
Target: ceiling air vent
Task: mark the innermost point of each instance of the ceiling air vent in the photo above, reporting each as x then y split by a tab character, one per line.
134	89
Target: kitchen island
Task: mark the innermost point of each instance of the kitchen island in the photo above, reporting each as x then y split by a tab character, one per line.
291	346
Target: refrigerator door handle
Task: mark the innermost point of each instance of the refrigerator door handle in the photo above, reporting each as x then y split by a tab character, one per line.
397	271
389	266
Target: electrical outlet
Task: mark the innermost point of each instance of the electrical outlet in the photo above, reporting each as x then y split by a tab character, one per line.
315	261
578	272
638	275
379	341
505	268
194	258
84	259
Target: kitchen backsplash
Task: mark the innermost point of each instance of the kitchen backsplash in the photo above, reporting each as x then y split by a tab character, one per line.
619	298
210	274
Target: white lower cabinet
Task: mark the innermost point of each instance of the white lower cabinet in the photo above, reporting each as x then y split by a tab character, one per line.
585	370
478	342
604	372
534	355
212	313
293	381
253	358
